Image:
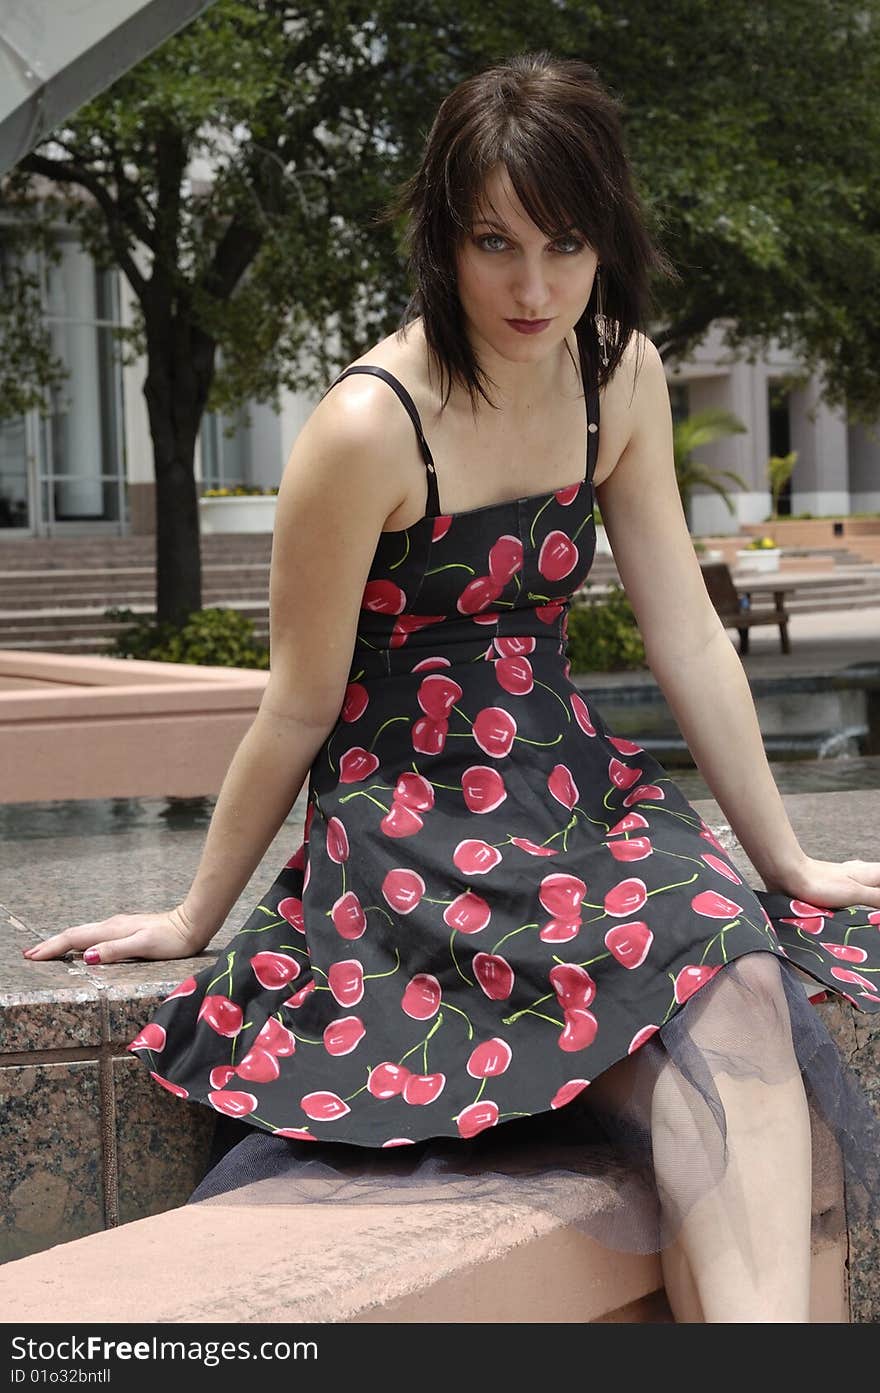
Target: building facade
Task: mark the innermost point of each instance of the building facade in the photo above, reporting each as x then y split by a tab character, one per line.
87	467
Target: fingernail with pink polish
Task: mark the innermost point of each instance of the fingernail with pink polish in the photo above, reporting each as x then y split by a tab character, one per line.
91	955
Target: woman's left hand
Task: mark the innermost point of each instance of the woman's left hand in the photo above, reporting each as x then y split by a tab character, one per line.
831	884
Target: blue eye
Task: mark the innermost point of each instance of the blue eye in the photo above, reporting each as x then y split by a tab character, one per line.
575	245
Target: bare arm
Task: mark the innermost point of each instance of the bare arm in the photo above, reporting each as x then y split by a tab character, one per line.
336	493
688	651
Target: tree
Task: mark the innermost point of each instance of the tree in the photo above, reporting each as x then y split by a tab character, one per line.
758	170
688	435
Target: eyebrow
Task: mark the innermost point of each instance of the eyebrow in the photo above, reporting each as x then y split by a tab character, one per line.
496	222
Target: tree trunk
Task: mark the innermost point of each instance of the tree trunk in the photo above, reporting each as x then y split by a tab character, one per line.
174	427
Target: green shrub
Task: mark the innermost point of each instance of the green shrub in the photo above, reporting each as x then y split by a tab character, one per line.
211	637
603	635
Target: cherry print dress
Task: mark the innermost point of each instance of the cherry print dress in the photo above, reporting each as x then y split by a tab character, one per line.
496	898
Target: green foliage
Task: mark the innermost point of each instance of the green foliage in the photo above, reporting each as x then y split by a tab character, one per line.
603	635
688	435
779	471
211	637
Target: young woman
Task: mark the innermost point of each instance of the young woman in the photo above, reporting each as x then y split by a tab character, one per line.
508	950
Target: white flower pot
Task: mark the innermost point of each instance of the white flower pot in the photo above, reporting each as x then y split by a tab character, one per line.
245	513
758	560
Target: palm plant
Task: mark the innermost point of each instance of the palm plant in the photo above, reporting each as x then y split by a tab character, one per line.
688	435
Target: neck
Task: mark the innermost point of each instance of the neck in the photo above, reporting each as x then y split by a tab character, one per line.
518	388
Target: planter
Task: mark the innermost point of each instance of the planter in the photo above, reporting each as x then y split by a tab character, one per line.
710	554
603	546
758	560
246	513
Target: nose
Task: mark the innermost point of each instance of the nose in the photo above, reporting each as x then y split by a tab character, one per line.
531	288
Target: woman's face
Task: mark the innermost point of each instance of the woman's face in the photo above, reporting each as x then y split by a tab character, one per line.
509	270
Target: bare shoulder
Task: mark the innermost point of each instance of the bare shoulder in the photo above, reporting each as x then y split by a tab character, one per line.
633	400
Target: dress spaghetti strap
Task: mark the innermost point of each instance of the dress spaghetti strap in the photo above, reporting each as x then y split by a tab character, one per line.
433	505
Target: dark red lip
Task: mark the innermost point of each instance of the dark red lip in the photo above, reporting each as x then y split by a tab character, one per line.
528	326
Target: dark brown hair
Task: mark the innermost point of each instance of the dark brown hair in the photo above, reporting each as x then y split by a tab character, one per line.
557	131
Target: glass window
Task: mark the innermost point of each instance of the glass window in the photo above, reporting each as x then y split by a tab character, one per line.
226	449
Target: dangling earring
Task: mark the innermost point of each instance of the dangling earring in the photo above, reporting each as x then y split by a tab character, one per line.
599	319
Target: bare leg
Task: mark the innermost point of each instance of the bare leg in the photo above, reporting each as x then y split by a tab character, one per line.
741	1230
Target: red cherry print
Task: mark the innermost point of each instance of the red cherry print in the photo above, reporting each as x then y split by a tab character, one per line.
468	913
581	713
721	867
258	1066
476	1117
403	889
874	918
505	559
846	952
515	675
845	974
275	1038
398	1141
548	614
414	791
343	1035
337	841
429	736
568	1091
715	906
348	916
291	909
807	911
630	822
532	847
709	836
387	1080
442	524
152	1037
421	1000
641	1036
487	617
355	702
346	981
274	970
401	821
493	730
222	1015
233	1104
629	943
427	664
478	593
420	1089
355	764
573	985
409	624
557	557
691	978
509	645
561	894
482	788
645	793
567	495
807	926
383	597
562	785
580	1029
298	859
625	747
627	897
623	775
185	989
299	997
174	1088
437	694
633	849
475	857
560	930
300	1133
220	1076
489	1059
323	1106
494	974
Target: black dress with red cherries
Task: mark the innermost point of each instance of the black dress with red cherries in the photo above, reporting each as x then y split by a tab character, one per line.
495	898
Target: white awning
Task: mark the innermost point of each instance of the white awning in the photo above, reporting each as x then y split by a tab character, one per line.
57	54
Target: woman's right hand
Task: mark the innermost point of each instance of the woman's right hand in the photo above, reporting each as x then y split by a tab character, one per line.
163	935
